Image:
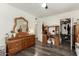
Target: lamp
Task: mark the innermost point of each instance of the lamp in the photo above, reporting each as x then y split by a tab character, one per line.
12	34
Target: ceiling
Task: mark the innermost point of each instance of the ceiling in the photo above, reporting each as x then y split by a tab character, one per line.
53	8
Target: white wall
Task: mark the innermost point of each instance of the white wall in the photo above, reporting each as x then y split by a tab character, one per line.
55	19
7	15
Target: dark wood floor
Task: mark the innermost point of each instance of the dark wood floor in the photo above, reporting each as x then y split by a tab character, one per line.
38	50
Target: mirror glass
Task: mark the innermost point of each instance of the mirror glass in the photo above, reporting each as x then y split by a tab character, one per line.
21	24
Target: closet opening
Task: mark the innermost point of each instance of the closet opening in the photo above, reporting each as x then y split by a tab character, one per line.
66	33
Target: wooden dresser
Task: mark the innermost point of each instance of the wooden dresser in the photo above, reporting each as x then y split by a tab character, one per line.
17	44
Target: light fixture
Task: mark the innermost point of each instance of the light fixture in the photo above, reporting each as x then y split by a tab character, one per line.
44	5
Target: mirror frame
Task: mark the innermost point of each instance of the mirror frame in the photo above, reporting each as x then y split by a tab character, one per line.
15	22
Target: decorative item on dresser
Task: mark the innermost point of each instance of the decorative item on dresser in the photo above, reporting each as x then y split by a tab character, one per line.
23	39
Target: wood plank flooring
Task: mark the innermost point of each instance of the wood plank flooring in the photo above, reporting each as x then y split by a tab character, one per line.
38	50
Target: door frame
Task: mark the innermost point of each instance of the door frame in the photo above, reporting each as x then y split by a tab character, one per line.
71	30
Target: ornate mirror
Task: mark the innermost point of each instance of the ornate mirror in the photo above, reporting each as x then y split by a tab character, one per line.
20	23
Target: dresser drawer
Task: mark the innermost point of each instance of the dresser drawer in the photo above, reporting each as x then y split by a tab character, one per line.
12	51
14	45
19	43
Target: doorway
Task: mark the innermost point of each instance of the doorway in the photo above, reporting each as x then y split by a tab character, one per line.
66	32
